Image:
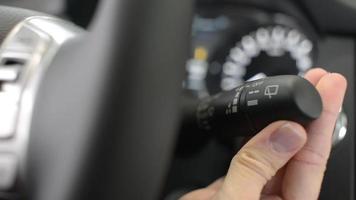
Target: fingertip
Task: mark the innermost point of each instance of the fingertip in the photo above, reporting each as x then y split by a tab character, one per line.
269	130
332	88
299	129
290	137
338	79
314	75
317	70
334	80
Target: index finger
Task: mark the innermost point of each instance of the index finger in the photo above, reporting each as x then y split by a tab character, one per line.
305	171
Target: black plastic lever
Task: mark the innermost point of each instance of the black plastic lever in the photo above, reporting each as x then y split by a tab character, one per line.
247	109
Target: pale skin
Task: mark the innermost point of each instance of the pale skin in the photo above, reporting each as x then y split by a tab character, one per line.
273	167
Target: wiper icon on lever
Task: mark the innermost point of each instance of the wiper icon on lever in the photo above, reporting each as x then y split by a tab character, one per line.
271	90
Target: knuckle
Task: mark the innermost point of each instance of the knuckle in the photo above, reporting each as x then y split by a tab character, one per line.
255	162
332	114
308	156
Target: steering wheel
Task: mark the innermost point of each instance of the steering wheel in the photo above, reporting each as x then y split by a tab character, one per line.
91	114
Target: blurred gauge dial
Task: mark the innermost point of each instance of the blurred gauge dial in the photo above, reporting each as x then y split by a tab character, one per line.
267	51
233	46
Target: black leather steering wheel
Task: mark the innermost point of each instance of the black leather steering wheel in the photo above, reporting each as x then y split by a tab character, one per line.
101	125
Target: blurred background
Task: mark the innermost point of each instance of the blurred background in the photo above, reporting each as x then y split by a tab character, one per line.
236	41
233	41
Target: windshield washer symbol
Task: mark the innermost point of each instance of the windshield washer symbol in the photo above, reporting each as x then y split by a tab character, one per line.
271	90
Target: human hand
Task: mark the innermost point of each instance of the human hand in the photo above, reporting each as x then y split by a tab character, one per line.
285	160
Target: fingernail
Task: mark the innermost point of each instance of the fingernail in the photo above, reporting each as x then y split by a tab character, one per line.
287	138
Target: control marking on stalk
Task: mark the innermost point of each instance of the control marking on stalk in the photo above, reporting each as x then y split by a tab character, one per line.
252	102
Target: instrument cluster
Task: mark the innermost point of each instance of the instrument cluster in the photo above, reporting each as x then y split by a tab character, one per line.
231	45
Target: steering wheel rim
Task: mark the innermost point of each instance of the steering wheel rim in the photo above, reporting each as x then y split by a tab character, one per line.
102	125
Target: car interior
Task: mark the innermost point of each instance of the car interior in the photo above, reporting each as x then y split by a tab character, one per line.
112	99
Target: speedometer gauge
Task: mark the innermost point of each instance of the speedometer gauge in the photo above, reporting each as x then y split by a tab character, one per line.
267	51
232	46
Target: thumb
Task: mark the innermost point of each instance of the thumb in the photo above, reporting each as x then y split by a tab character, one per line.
260	159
